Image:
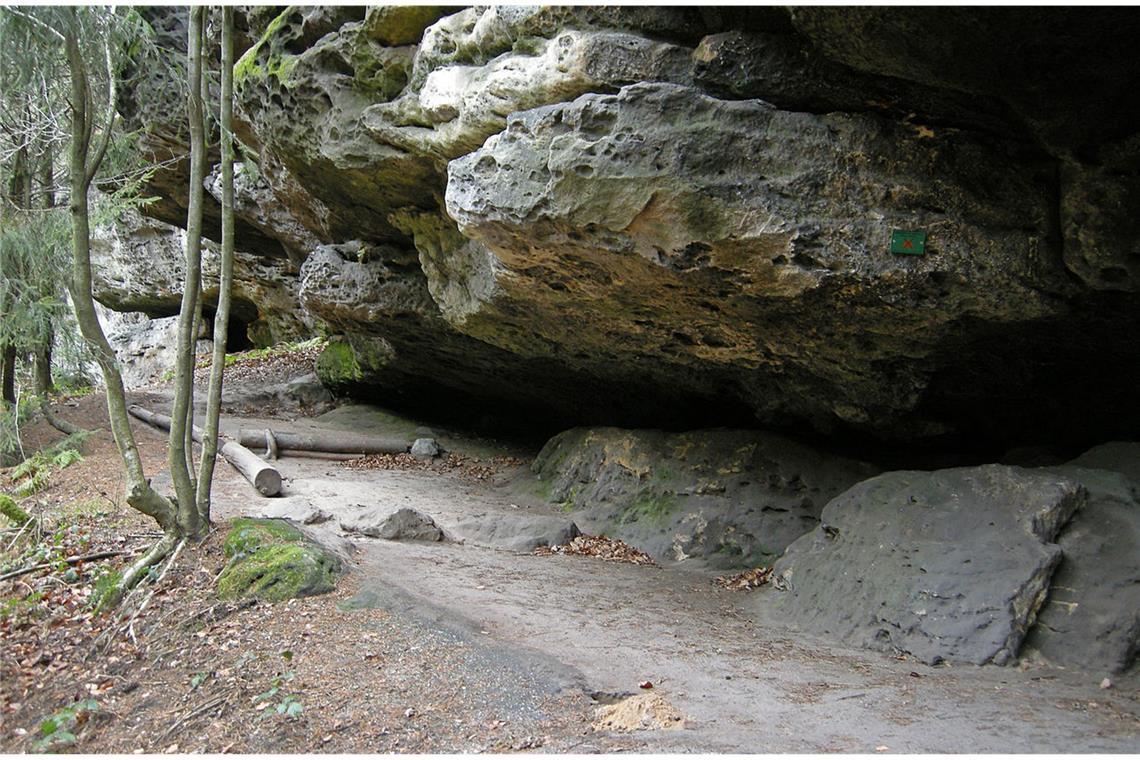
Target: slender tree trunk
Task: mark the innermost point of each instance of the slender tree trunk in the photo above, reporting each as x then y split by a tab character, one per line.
225	276
8	374
47	179
188	436
44	382
43	385
82	168
179	450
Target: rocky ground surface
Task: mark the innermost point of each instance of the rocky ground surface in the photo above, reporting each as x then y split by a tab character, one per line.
455	645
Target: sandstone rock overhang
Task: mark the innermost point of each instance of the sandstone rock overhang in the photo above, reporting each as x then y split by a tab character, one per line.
679	216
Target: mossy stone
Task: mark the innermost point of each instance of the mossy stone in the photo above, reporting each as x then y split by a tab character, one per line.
346	361
279	572
271	560
247	535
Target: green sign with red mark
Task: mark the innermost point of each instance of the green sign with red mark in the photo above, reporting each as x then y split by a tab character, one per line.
908	241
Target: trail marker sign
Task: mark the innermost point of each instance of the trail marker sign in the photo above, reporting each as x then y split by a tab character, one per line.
911	242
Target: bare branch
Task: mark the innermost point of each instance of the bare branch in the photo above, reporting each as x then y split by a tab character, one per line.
27	17
105	140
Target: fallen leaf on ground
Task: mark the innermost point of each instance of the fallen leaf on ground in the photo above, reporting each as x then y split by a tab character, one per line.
745	580
602	547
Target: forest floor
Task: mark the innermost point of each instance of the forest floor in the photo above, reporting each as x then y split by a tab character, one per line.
448	647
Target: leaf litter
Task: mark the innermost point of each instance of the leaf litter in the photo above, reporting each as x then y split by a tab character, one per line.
600	547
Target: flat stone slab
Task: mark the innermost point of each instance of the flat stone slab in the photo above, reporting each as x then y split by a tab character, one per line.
394	524
1091	618
945	565
297	511
515	533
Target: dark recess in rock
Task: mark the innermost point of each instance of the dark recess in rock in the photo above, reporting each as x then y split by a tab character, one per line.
1070	72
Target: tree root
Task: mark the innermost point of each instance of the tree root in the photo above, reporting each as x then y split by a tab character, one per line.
68	560
135	573
61	425
168	546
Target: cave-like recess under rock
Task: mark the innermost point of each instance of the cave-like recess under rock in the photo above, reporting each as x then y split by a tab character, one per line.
679	217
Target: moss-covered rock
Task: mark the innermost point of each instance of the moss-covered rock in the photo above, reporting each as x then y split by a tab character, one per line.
350	361
272	560
11	510
248	535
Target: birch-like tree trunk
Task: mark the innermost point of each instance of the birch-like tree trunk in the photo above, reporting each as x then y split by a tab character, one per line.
179	454
225	284
83	163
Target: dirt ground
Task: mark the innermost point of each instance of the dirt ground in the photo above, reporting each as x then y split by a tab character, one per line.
448	647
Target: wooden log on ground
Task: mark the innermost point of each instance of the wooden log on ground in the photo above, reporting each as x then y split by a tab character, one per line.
333	443
154	419
264	476
261	475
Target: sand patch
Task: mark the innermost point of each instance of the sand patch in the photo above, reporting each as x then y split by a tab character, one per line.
641	712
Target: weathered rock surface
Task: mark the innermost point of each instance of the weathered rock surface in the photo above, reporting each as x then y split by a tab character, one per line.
425	448
394	524
145	347
515	533
137	265
1117	456
696	231
1091	618
296	511
1069	78
734	498
670	209
946	565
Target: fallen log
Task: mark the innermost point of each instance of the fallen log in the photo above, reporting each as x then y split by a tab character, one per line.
261	475
264	476
331	443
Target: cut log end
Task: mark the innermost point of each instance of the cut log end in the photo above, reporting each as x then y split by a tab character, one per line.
267	482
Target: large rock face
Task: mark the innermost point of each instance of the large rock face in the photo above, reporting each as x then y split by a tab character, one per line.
138	266
673	216
694	235
730	498
946	565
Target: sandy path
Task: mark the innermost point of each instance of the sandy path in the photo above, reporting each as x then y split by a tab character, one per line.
744	683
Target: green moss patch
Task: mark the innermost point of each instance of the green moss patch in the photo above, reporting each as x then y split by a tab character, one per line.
650	506
271	560
347	360
11	510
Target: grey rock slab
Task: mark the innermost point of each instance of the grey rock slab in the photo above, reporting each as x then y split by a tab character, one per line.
425	448
733	498
295	510
1091	618
515	532
945	565
394	524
